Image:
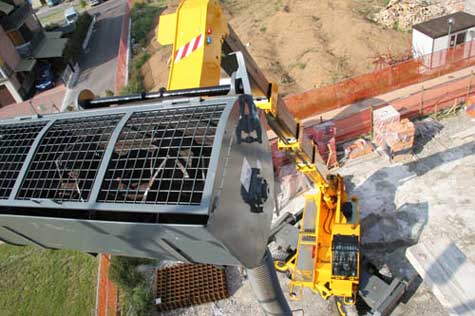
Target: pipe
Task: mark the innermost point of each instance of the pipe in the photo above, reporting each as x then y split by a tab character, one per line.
87	101
266	287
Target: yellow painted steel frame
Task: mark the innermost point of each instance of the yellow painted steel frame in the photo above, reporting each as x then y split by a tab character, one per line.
317	240
201	67
328	222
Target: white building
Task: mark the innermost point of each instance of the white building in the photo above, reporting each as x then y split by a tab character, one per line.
470	6
433	35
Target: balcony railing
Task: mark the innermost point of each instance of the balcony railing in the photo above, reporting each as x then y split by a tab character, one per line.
26	50
5	72
14	20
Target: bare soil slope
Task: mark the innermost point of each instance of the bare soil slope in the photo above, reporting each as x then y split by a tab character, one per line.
301	44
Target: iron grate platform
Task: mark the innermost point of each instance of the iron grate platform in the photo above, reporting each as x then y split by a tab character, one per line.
15	143
186	285
67	159
162	157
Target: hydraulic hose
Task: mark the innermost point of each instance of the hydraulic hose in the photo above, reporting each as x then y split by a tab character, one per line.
266	287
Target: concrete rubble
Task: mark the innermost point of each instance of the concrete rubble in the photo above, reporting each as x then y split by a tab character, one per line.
358	148
402	14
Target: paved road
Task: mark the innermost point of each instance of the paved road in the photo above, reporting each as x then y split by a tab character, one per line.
46	10
98	63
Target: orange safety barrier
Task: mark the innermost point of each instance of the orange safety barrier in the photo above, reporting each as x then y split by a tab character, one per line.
316	101
426	102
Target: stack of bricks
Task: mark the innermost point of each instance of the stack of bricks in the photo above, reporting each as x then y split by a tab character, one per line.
279	158
400	140
290	183
186	285
381	119
358	148
323	135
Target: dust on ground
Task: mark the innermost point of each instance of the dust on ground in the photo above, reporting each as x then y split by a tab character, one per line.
301	44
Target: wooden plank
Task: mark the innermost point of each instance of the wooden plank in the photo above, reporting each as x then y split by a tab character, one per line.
448	272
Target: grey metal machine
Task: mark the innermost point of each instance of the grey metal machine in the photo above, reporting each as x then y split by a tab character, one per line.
166	179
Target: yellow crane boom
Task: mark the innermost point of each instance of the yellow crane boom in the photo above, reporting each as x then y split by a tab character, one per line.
327	257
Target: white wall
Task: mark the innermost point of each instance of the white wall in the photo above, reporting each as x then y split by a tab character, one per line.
421	43
470	6
443	42
469	38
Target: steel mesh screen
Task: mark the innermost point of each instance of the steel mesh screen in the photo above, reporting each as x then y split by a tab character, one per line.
67	160
162	157
15	142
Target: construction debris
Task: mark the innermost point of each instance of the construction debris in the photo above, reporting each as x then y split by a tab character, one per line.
290	183
323	135
393	135
427	128
403	14
358	148
381	119
186	285
400	135
279	158
470	107
400	140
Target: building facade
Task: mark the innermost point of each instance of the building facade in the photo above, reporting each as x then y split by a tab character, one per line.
450	31
20	33
23	43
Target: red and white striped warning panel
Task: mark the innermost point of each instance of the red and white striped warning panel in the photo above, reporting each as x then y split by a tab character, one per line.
189	48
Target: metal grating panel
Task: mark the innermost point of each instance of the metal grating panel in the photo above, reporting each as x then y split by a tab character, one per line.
162	157
186	285
67	159
15	142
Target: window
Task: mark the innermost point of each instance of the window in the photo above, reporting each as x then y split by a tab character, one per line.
461	38
452	41
21	36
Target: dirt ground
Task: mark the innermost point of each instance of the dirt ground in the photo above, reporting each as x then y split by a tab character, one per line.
301	44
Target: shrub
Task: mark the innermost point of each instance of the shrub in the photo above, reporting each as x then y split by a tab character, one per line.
135	84
109	93
137	289
144	18
51	27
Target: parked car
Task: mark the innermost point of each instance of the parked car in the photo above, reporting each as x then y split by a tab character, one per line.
44	77
71	15
52	3
94	2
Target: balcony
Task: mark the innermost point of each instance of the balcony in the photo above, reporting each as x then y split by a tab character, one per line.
5	72
14	20
26	49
